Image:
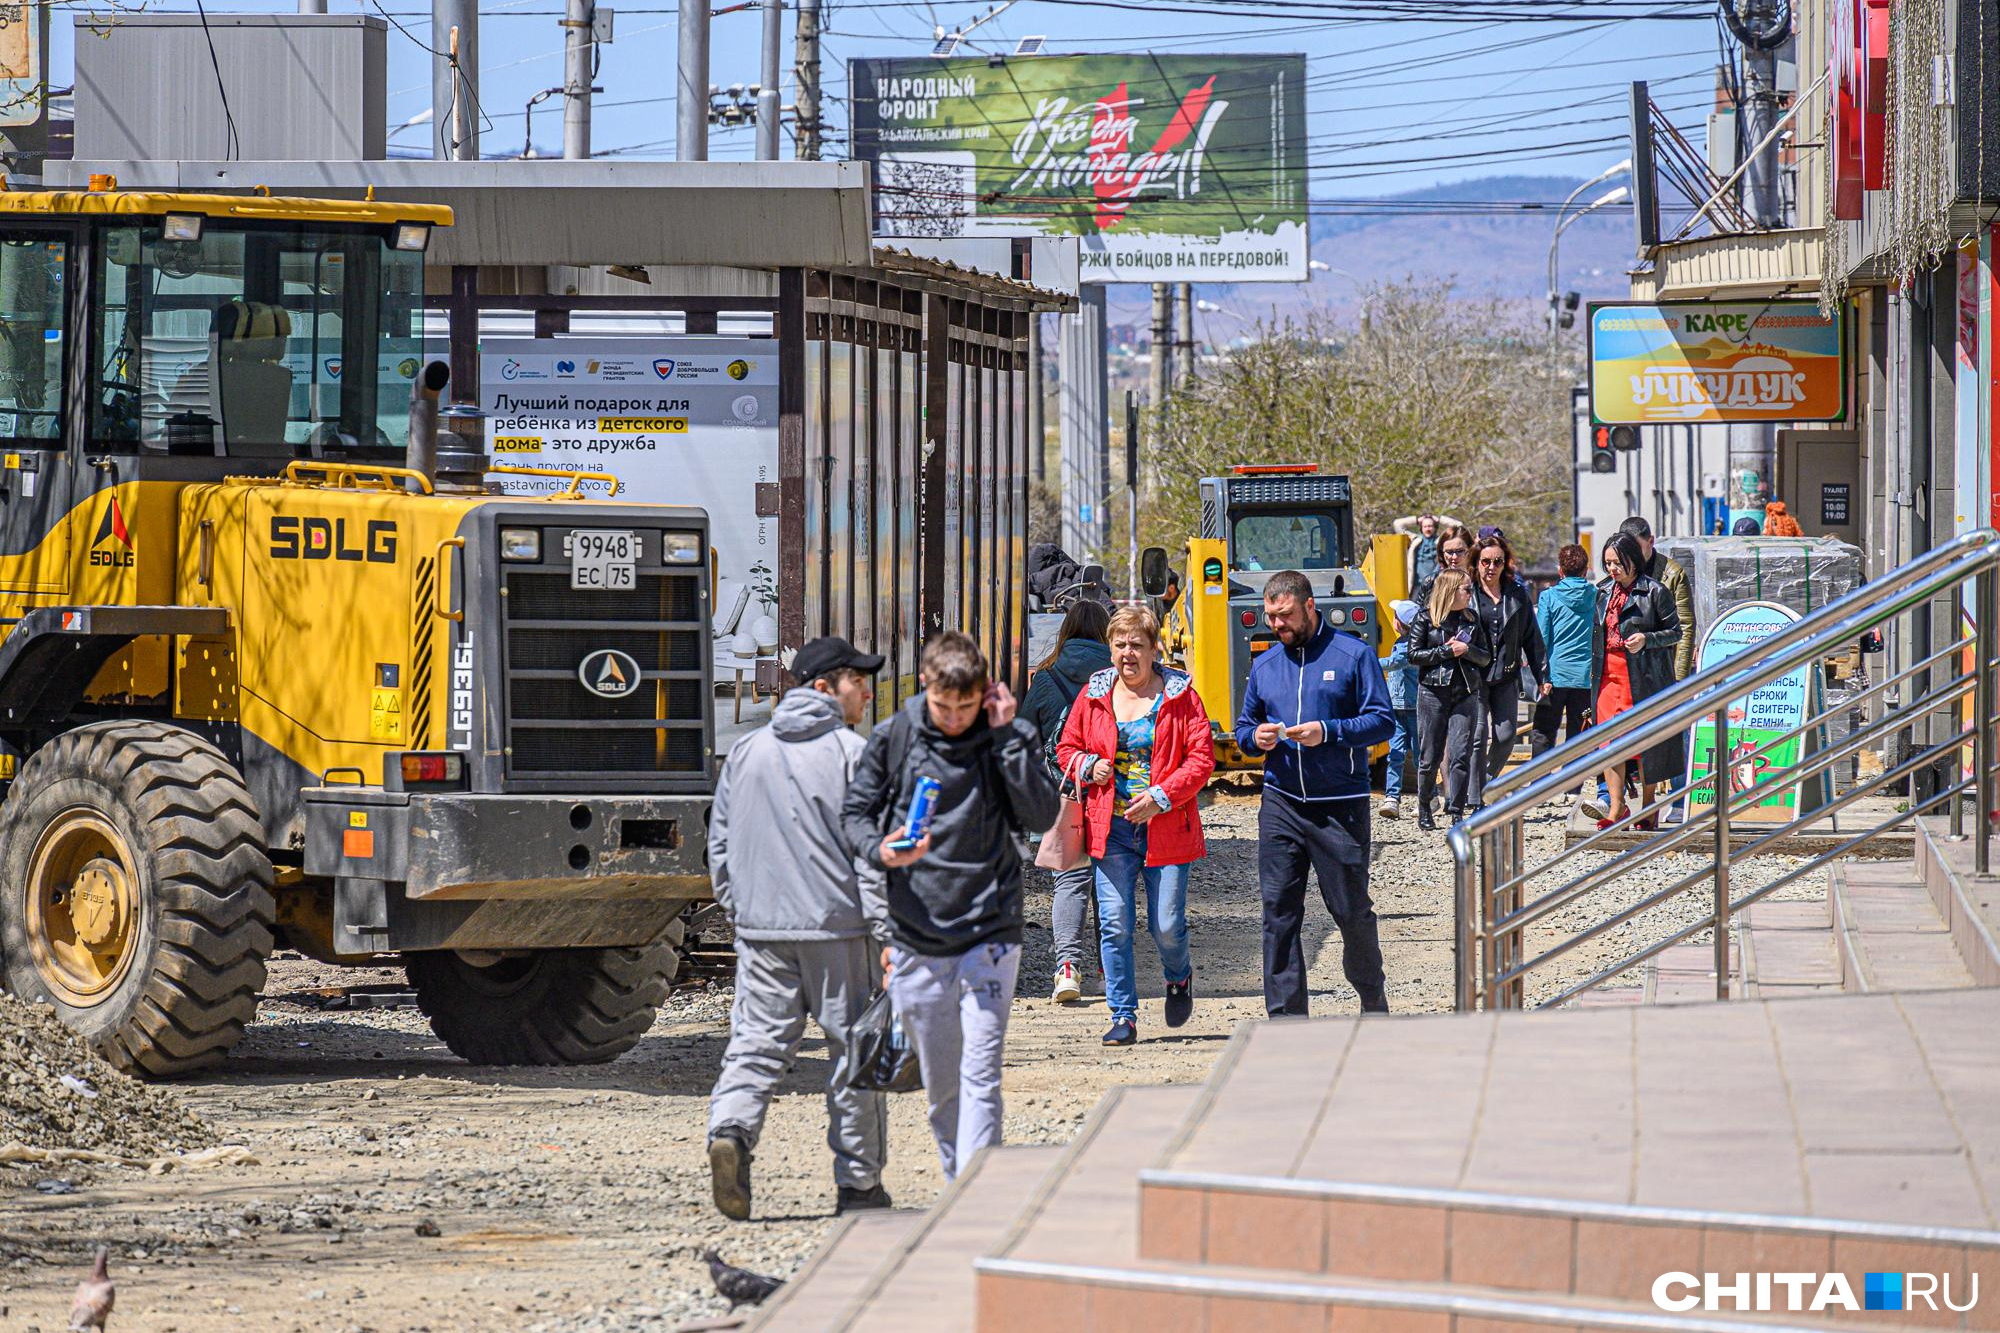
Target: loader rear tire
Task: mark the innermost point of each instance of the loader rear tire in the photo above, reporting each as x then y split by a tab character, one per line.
135	893
545	1006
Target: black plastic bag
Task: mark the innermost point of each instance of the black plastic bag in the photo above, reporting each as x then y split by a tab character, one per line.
880	1057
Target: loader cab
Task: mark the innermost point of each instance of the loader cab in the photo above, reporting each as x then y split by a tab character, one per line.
153	339
1284	516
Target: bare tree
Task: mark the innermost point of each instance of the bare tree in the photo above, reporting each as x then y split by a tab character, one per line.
1429	403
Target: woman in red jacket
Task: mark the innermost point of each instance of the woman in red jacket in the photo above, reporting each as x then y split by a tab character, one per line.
1144	740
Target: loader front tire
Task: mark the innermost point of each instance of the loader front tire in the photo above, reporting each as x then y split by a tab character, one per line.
545	1006
135	893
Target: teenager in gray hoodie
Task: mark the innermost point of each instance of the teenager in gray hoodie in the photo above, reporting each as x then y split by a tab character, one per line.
810	923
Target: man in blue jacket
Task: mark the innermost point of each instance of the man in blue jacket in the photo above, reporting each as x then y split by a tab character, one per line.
1314	707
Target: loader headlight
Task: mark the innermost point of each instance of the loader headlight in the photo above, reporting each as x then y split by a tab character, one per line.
521	544
413	236
181	227
680	548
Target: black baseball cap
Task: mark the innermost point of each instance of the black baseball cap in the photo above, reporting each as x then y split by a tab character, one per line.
832	653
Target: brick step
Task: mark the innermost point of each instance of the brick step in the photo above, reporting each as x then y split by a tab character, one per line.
1969	906
1788	950
924	1284
1088	1204
1889	932
1523	1247
843	1265
1877	1110
1032	1296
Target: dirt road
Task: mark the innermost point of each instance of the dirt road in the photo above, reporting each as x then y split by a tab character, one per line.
578	1199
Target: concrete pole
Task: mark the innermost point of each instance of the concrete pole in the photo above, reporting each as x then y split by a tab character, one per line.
1086	438
1760	113
1183	332
805	77
579	54
691	91
447	83
1038	441
767	87
1163	347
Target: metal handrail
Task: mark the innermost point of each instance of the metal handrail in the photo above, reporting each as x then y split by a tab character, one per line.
1495	905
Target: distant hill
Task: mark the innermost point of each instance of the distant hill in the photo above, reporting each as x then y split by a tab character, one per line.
1503	255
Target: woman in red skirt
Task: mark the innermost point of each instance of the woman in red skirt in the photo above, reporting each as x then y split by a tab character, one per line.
1632	658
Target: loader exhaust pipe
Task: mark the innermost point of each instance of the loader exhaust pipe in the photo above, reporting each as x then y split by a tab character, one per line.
424	419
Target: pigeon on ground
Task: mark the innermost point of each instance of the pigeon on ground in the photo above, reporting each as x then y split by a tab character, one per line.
94	1295
739	1286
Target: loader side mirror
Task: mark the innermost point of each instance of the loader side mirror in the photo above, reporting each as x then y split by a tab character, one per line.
1153	571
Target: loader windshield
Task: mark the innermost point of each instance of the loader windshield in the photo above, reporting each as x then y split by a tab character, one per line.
1267	541
255	340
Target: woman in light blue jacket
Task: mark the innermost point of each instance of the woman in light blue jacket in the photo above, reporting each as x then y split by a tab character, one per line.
1565	612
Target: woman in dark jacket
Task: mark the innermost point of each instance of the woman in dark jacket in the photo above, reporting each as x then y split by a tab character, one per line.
1448	649
1501	602
1079	654
1632	645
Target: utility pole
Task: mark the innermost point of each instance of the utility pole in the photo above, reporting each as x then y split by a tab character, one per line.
1163	347
805	78
767	88
691	90
1084	425
312	6
1753	445
1038	444
579	52
1183	332
455	80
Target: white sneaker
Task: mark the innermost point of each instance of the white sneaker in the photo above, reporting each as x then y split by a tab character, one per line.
1593	808
1068	989
1390	809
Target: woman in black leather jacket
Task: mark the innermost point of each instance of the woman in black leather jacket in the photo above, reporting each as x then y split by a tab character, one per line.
1506	613
1632	643
1449	650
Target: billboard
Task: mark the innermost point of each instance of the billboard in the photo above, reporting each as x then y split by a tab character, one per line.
1697	361
1168	168
689	421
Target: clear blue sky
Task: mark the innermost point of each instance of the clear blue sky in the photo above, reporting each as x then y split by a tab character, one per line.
1395	104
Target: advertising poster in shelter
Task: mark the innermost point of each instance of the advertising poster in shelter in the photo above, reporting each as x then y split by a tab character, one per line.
687	421
1704	361
1168	168
1755	720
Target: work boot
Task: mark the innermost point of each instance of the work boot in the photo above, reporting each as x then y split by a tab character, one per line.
1426	821
729	1172
852	1200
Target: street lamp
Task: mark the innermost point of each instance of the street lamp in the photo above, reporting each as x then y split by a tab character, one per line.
1609	197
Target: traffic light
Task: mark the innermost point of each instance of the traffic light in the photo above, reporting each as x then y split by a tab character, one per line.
1625	439
1567	316
1602	459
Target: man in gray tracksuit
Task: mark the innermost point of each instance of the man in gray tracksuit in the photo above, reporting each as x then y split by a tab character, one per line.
810	923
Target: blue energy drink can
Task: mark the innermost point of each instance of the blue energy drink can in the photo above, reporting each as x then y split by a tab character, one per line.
923	803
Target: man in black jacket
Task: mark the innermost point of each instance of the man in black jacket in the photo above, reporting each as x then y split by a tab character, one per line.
955	894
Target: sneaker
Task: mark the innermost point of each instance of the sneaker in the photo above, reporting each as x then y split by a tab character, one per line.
1391	808
1068	988
852	1200
729	1172
1592	808
1180	1002
1124	1032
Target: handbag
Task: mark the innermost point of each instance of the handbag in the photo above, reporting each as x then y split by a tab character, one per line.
1064	846
879	1055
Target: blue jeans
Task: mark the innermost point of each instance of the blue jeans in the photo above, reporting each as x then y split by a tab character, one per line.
1119	871
1401	742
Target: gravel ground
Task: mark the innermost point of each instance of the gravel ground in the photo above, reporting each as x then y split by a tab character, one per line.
577	1199
56	1093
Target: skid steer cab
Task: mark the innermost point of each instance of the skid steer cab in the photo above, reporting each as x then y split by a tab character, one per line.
279	669
1257	520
